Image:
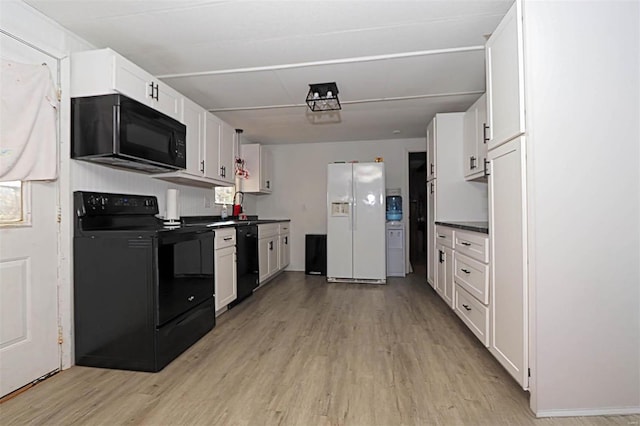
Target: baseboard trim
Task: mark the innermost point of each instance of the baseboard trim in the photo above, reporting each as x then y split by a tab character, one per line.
621	411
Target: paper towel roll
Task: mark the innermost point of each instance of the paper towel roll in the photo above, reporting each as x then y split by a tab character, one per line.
172	205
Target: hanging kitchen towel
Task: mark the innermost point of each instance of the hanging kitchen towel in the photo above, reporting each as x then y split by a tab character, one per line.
28	142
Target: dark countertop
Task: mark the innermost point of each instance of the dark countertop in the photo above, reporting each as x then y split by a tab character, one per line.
482	227
218	222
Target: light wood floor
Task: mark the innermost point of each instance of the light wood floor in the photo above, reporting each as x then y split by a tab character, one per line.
304	352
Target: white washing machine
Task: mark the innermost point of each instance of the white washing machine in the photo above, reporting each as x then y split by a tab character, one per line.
395	249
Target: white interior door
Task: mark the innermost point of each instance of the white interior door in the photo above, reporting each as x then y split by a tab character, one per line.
369	234
339	224
28	269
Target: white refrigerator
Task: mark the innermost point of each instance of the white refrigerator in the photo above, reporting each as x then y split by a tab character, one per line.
356	223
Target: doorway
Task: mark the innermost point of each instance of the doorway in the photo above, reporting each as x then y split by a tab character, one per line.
29	256
418	211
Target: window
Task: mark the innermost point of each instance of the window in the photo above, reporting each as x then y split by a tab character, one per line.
12	211
224	194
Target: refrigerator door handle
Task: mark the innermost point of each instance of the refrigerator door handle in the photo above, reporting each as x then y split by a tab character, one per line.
354	215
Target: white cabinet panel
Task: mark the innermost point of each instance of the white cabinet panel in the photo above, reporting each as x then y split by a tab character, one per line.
258	162
193	118
444	273
474	140
507	219
100	72
505	79
474	314
226	154
431	230
431	150
225	273
472	275
211	146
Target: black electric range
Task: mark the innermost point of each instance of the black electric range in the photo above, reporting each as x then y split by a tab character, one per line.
143	292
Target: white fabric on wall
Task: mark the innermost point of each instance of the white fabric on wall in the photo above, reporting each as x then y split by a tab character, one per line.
28	142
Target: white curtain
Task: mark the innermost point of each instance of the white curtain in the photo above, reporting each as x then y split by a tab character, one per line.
28	142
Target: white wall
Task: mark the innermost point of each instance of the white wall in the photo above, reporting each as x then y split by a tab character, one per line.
193	201
583	93
300	182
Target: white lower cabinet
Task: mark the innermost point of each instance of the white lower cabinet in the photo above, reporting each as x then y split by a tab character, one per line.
473	313
284	253
268	250
445	261
471	278
273	249
225	267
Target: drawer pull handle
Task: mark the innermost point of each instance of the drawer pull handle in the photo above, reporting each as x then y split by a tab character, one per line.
466	307
464	243
228	238
465	271
442	236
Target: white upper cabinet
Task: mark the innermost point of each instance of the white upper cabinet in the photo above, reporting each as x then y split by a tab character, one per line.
474	149
258	163
505	79
100	72
226	154
193	118
431	150
210	160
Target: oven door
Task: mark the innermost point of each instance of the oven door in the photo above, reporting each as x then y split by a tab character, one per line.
149	135
185	272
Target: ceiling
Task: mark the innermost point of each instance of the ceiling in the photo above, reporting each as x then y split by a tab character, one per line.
396	63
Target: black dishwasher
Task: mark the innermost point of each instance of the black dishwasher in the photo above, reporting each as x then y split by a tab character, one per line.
247	264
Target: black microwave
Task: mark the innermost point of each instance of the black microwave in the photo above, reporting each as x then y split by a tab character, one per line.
118	131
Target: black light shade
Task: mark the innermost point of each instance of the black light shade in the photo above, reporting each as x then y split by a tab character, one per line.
323	97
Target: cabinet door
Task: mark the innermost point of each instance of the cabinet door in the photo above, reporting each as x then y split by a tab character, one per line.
447	290
266	184
131	80
470	146
284	251
225	273
167	100
274	252
481	135
263	258
508	242
474	146
193	117
431	150
431	230
444	273
210	148
505	77
441	270
226	154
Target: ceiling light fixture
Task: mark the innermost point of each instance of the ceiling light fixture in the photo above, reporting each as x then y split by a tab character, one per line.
323	97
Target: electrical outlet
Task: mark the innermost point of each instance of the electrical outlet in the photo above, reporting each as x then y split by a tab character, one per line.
208	202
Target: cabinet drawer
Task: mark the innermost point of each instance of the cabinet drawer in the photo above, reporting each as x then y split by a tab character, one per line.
473	313
472	244
268	230
472	275
225	238
444	236
283	228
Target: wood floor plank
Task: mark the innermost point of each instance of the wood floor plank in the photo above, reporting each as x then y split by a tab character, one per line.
302	351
